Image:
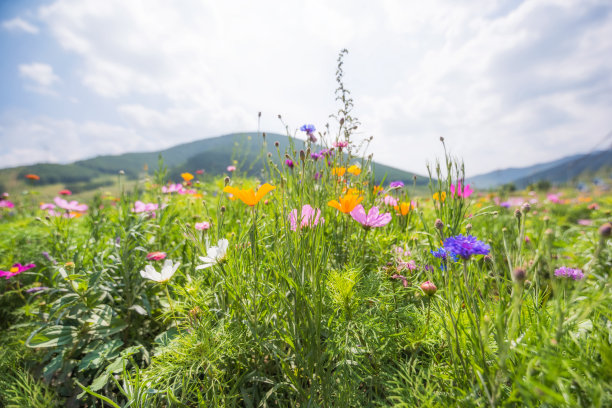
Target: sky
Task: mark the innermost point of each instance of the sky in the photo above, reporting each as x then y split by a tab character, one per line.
507	83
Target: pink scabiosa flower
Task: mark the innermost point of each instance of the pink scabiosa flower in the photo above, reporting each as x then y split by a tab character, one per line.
554	198
231	169
461	191
310	217
202	226
156	256
16	269
373	219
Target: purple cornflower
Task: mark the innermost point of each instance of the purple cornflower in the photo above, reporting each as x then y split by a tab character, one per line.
289	163
372	219
565	272
317	176
466	246
48	257
396	184
36	289
316	156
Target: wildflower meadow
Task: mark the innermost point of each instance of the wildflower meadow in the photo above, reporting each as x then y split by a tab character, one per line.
309	285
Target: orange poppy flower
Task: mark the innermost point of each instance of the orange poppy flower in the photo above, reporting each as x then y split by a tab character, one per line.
404	208
339	171
249	196
354	170
187	176
32	177
347	203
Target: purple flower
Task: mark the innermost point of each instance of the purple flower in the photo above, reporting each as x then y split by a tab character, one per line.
373	219
565	272
289	163
48	257
396	184
36	289
466	246
316	156
402	277
317	176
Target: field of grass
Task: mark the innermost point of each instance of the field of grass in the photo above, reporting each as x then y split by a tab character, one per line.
439	299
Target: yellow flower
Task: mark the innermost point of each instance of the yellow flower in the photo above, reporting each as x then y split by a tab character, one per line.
354	170
339	171
249	196
440	197
347	203
187	176
403	208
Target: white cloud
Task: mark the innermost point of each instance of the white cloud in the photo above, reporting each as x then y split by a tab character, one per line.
507	83
39	77
17	24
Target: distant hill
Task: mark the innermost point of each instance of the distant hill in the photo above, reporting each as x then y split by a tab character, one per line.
212	155
558	171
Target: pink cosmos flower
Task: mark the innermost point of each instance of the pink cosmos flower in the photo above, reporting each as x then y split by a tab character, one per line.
585	222
310	217
70	206
464	192
6	204
231	168
202	226
172	188
140	207
16	269
373	219
47	206
156	256
390	201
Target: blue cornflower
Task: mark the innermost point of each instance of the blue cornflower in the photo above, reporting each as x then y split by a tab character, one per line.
308	128
466	246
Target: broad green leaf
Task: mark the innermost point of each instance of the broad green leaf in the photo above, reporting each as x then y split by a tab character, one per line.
52	336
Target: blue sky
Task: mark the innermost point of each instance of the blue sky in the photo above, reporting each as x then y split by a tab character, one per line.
507	83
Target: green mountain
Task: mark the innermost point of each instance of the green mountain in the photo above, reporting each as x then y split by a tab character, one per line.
212	155
559	171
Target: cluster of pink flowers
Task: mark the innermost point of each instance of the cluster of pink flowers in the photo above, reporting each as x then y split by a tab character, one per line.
71	208
390	201
176	188
6	204
309	217
140	207
461	191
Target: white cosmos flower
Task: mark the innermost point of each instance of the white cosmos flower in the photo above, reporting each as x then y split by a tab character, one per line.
166	273
215	254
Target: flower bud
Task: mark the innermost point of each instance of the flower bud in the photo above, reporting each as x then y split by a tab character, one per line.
276	144
226	181
468	228
222	209
519	274
605	230
69	266
517	213
429	288
525	208
439	224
